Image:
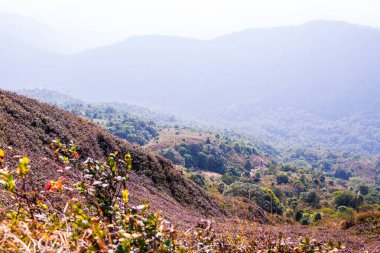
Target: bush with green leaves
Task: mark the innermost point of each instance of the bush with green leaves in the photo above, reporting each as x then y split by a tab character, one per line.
346	198
317	217
311	198
305	220
199	179
96	216
282	179
298	216
228	179
364	189
90	212
288	168
342	174
264	197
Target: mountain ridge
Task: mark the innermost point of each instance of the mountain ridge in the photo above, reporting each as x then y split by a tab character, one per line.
319	68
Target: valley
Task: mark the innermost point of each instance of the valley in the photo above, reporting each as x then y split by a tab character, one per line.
263	140
296	189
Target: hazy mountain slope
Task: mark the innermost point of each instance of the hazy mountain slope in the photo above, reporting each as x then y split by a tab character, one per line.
132	123
26	52
68	103
327	70
319	66
27	30
28	127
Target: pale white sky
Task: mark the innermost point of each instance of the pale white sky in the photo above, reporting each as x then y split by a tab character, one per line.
88	23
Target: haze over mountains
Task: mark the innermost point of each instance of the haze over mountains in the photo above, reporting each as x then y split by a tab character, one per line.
282	84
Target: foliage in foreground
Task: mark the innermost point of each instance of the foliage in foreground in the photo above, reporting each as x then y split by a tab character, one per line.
87	210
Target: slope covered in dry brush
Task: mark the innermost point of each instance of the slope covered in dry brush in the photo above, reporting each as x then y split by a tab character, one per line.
29	126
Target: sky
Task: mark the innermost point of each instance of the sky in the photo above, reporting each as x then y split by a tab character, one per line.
91	23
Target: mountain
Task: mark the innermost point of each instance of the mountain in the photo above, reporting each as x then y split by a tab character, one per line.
27	31
319	69
29	126
26	50
317	66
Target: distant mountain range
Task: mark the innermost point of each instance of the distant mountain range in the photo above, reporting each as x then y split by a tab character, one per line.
324	69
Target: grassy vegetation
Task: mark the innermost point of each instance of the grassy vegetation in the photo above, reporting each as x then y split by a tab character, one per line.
304	181
302	188
91	213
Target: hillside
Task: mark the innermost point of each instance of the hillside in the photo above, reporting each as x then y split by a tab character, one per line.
289	191
29	126
227	163
200	149
133	123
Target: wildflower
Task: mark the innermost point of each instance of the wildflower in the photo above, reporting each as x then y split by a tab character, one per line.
48	186
76	155
139	223
125	195
54	185
23	166
2	154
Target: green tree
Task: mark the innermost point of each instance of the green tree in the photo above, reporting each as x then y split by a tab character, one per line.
248	165
282	179
346	198
311	198
364	189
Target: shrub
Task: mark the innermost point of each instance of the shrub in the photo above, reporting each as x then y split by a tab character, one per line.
305	221
173	155
287	168
98	219
282	179
248	165
228	179
364	189
311	198
221	187
293	203
298	215
189	162
199	179
233	172
346	198
317	217
264	197
344	212
342	174
364	223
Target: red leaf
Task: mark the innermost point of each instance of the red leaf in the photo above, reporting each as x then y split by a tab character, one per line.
48	186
